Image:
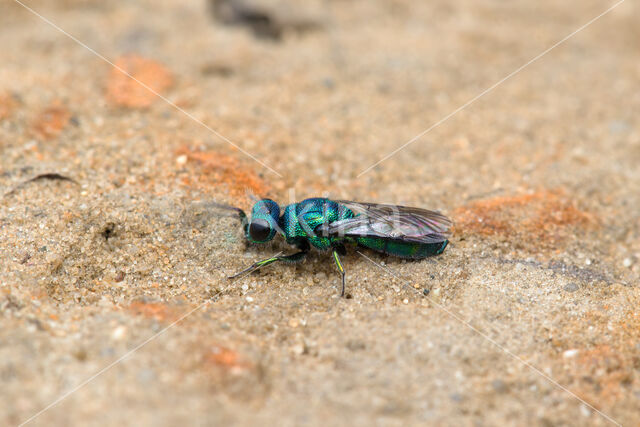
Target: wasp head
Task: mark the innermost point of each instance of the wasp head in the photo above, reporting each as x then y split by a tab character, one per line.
264	221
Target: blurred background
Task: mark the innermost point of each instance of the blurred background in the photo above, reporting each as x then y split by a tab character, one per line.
120	121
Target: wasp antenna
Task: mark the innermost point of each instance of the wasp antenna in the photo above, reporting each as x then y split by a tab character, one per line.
240	212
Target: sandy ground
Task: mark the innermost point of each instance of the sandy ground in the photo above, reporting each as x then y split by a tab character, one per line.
540	175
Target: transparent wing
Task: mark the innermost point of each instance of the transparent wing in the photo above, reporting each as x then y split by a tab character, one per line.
390	221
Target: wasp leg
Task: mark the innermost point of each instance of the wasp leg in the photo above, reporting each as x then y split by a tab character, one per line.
298	256
339	249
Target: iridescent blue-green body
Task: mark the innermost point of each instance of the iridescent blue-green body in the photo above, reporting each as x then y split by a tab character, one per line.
299	220
317	211
326	224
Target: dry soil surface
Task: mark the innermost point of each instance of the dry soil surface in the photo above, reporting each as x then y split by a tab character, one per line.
532	314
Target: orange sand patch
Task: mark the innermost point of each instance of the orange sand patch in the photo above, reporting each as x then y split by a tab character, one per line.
158	311
606	371
51	121
226	359
539	217
222	170
7	105
125	91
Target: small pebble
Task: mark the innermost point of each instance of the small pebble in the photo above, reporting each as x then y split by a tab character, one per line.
571	287
499	386
570	353
249	299
405	301
587	261
328	83
298	349
181	160
456	397
146	375
627	262
585	411
119	333
356	345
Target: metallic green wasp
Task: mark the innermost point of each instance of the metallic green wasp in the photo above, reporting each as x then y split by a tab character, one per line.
329	225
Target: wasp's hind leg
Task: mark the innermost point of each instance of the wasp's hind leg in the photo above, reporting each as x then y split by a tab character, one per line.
293	258
339	249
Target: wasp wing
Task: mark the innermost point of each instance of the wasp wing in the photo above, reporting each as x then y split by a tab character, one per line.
390	221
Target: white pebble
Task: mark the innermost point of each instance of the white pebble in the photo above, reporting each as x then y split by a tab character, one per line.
298	349
181	160
570	353
405	301
249	299
119	333
585	411
627	262
587	261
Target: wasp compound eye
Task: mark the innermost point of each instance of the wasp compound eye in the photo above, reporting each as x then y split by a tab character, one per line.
259	230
